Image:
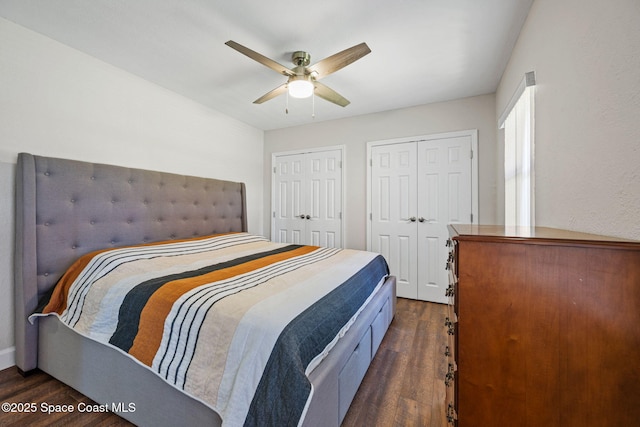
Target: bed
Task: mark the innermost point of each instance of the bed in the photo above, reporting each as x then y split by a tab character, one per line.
67	210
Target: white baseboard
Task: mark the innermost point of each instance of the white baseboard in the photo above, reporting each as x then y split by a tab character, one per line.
7	358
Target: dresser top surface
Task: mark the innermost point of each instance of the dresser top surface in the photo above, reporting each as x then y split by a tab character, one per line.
535	235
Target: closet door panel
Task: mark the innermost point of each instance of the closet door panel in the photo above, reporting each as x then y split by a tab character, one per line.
393	230
444	197
324	201
289	199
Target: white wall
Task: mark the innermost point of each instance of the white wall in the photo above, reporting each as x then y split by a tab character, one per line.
7	172
59	102
469	113
586	55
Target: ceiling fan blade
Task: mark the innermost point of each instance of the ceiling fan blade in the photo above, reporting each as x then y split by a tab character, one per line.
272	94
340	60
260	58
328	94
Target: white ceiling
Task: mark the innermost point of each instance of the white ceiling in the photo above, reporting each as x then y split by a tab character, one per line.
422	51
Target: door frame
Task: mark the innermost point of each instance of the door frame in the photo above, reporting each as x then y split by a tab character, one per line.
473	133
342	149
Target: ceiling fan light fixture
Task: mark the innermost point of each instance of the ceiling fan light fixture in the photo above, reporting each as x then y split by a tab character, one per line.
302	79
300	87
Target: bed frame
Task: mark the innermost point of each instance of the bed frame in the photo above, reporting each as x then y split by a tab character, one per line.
66	208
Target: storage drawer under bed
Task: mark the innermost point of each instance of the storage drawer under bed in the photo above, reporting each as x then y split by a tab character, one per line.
379	326
353	372
356	366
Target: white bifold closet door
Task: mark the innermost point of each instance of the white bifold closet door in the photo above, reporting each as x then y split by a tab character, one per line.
416	189
307	198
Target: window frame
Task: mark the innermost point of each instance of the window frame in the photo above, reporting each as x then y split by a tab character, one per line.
517	121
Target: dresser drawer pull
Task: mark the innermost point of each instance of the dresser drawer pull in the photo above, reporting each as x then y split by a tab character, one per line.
449	325
447	351
450	291
450	376
451	414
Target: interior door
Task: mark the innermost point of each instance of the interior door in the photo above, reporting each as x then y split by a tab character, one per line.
444	197
307	198
289	223
393	209
416	188
323	211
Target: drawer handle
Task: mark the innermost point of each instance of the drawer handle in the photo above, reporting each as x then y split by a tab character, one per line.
447	351
450	291
451	414
450	376
450	325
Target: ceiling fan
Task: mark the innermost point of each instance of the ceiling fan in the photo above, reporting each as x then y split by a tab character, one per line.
303	79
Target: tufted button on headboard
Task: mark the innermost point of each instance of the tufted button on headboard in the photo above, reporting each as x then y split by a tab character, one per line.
66	208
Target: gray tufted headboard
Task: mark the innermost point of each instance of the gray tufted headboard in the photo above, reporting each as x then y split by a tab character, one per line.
66	208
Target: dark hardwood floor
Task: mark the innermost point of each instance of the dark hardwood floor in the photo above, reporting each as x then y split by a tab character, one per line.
403	386
40	388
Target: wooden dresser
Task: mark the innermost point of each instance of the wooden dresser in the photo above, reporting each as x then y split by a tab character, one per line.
544	328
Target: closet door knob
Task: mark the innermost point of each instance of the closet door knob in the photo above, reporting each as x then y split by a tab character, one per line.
308	217
421	219
412	219
301	216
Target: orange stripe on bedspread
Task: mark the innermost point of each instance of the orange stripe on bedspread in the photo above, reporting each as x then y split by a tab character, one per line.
151	327
58	300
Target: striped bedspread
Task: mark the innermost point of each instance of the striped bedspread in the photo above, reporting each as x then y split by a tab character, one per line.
233	320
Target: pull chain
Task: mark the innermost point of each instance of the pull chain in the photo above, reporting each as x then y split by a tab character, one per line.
313	104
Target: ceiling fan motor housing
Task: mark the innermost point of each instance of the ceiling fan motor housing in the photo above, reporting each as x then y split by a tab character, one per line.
300	58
